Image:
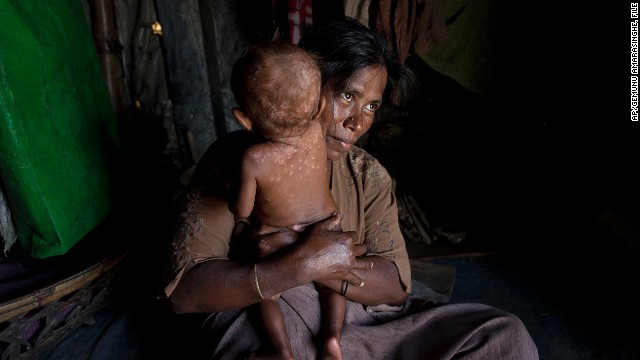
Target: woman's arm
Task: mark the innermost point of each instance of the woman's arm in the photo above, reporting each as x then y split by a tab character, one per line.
321	255
375	218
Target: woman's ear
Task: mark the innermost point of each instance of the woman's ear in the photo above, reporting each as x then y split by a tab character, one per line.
242	118
321	106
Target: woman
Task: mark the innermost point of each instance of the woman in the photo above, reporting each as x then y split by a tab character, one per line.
382	321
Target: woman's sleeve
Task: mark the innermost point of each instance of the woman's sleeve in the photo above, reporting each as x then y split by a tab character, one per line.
382	229
363	190
205	224
202	233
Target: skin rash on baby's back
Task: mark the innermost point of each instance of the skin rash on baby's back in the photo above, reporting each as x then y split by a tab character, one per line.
292	181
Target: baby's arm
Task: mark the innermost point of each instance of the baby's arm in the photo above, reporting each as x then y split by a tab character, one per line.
246	193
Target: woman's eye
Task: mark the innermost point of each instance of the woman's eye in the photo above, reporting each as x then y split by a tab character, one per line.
347	96
373	107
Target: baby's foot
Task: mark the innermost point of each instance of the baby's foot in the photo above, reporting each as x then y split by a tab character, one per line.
332	350
268	356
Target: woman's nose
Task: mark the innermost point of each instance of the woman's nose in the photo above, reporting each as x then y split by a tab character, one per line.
354	122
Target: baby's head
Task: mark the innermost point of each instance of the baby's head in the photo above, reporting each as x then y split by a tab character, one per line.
276	85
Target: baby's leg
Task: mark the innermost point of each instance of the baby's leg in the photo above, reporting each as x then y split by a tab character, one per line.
333	310
273	322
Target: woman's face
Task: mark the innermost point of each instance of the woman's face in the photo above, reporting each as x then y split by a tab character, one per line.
349	114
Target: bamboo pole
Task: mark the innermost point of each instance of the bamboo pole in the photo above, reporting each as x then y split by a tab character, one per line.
105	36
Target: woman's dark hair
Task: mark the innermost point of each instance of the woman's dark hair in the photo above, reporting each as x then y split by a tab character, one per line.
344	46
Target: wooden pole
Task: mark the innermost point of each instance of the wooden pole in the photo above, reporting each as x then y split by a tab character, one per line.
105	35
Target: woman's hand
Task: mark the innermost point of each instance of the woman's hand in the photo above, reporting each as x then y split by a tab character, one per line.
320	254
343	260
327	253
330	257
322	251
333	260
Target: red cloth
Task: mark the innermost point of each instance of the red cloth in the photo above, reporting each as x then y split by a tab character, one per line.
300	17
417	26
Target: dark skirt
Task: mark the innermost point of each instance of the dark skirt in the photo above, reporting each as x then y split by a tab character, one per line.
417	330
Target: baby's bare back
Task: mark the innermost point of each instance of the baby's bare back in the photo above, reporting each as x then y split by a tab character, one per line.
292	181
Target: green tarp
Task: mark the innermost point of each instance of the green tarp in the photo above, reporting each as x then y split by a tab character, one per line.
58	138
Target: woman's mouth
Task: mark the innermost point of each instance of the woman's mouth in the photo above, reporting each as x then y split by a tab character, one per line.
340	144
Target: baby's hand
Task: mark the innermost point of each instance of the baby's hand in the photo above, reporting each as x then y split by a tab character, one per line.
269	241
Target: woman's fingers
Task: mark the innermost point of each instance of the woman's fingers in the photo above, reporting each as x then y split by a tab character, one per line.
354	280
363	264
359	249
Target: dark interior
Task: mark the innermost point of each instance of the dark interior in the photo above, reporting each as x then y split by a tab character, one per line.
530	194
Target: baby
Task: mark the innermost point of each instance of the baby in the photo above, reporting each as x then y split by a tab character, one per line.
284	182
